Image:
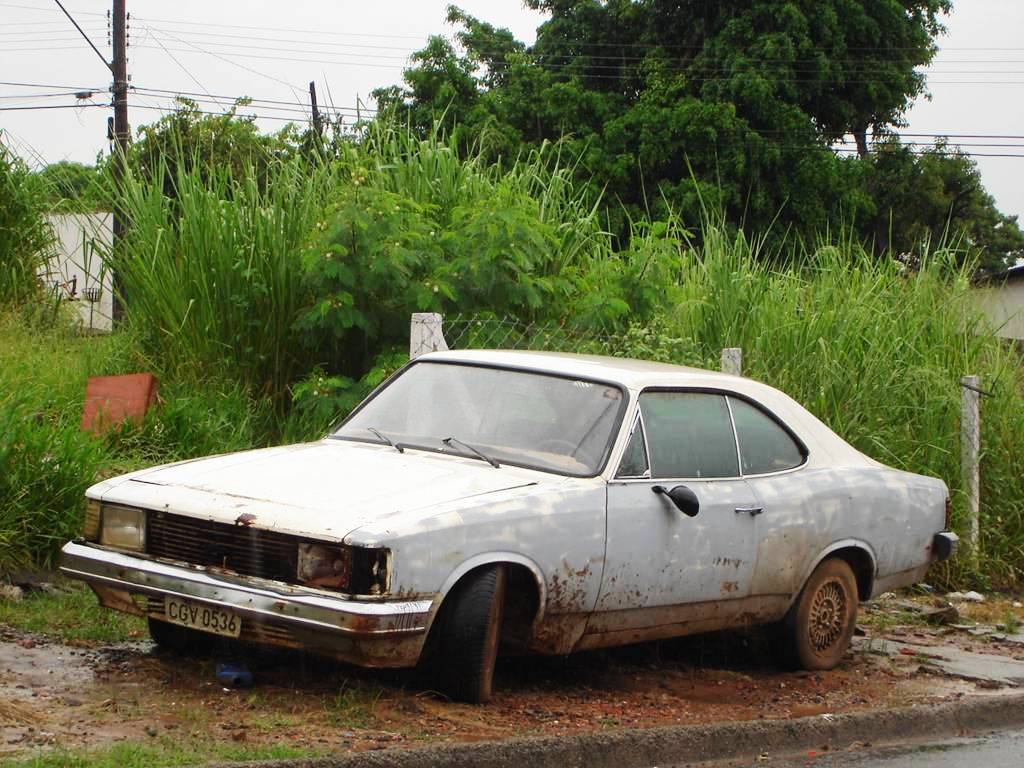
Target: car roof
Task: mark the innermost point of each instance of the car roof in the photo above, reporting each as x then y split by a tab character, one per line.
635	375
630	373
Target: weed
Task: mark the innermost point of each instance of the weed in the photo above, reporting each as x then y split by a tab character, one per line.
70	614
352	706
159	752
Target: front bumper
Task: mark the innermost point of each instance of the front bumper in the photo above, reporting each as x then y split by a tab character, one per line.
371	633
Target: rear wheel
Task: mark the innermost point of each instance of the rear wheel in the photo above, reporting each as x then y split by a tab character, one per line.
820	624
465	645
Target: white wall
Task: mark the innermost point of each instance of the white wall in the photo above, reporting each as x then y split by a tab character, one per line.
1003	304
77	265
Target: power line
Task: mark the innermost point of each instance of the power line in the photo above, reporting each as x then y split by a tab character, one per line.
233	63
484	52
52	106
236	98
221	114
180	65
30	34
39	95
49	10
50	85
585	73
281	29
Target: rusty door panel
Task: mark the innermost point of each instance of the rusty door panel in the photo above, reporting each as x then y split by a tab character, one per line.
657	557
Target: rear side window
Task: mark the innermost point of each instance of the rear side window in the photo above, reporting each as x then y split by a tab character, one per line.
689	434
764	445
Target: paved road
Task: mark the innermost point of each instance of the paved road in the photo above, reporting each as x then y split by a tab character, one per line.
1001	750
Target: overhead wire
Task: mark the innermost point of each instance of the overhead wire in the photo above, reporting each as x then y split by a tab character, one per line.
292	87
181	66
50	9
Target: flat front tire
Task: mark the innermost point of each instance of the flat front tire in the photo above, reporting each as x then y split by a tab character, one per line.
820	624
467	636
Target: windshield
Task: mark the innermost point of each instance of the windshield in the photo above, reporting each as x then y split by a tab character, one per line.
517	417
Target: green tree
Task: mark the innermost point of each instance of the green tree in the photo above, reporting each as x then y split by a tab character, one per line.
937	195
687	104
74	187
187	138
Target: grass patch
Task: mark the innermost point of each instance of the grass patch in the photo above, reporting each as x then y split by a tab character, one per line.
71	615
179	749
352	706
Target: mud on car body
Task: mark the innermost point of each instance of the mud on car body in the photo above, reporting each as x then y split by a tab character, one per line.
483	502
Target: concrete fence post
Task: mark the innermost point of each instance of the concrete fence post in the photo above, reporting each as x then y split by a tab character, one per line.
426	334
970	456
732	361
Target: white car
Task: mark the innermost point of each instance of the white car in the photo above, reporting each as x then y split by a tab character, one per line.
483	501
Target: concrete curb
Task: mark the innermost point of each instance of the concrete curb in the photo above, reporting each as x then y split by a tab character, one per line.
644	748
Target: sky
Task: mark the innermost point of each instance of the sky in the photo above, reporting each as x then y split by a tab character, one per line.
270	51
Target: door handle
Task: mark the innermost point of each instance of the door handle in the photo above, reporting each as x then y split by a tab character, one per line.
752	511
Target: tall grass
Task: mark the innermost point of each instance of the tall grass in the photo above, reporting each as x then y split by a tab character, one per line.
24	234
212	279
876	350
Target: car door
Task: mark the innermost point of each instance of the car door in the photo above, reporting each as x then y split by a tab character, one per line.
799	505
659	562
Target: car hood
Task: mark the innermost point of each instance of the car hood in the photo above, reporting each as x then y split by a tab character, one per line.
323	489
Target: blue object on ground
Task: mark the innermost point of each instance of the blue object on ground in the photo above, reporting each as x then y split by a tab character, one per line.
234	675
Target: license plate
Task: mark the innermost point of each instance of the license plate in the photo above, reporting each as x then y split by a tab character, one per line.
205	618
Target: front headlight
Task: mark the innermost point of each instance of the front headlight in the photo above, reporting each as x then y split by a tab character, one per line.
123	527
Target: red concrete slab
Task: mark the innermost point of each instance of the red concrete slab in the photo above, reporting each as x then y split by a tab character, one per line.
112	400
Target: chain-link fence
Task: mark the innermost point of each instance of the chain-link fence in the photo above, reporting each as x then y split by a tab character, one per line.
469	331
645	342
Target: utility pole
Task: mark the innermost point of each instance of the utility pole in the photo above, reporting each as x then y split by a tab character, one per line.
117	130
318	123
122	132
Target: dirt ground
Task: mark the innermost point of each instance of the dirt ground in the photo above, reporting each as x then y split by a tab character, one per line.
53	694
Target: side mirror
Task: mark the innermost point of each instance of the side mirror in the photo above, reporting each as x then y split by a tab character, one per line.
684	499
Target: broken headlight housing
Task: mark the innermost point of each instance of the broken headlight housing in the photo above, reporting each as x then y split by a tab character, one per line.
123	527
321	565
354	570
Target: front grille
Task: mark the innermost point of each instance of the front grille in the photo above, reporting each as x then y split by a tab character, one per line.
244	550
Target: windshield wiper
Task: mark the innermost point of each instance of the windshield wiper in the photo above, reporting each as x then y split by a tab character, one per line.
397	446
449	440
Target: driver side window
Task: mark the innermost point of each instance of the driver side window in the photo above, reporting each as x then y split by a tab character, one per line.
688	435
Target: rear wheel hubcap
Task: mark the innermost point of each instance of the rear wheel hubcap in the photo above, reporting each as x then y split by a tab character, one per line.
827	616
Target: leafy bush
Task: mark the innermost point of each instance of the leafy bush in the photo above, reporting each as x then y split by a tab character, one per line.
46	464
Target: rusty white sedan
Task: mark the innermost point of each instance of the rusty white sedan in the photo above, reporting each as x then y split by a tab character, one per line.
486	502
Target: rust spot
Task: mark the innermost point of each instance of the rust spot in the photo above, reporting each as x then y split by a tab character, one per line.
246	519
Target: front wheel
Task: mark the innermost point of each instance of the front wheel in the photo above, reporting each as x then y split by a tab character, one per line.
467	636
820	624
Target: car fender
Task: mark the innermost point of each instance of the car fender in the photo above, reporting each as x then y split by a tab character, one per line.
488	558
835	547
